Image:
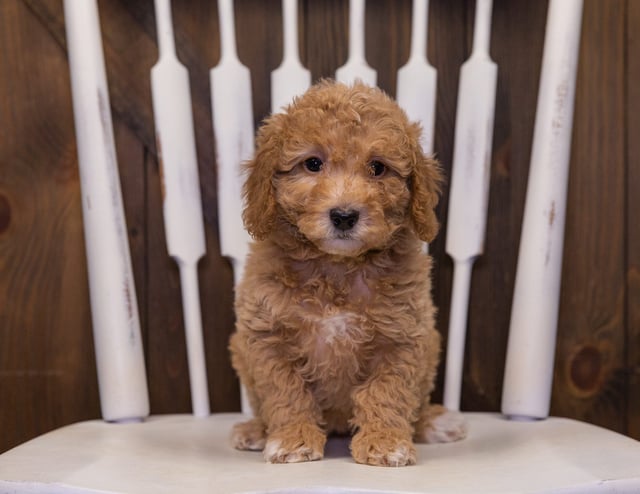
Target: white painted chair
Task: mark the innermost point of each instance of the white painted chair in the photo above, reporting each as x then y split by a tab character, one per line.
128	453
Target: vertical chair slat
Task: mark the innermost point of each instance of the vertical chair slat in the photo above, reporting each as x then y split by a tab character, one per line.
469	195
233	127
534	313
356	66
182	205
116	326
417	79
290	79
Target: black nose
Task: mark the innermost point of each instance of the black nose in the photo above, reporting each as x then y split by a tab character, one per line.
344	220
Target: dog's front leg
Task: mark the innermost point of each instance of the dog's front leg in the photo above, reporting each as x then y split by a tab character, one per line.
384	408
290	414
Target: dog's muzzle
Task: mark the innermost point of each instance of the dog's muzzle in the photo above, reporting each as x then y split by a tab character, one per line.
344	220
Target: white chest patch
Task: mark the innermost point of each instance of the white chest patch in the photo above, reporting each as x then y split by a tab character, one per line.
336	327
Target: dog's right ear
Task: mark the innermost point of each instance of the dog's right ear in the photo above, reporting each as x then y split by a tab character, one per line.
258	192
426	181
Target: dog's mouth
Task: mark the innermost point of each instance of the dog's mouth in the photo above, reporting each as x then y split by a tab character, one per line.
343	228
343	231
342	244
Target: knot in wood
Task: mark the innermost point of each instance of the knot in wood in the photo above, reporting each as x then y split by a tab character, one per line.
5	213
586	368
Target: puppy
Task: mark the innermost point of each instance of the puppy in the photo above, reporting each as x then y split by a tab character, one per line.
335	323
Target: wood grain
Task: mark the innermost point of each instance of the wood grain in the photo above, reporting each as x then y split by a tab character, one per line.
494	272
632	343
324	38
589	375
47	369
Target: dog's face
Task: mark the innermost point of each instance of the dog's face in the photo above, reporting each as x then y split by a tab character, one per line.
344	204
344	167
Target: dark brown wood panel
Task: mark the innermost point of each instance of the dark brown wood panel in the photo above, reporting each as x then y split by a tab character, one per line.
632	135
447	48
494	272
47	369
324	35
590	360
387	40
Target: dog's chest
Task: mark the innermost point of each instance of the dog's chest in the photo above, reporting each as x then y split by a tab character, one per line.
334	354
336	342
335	328
335	314
336	332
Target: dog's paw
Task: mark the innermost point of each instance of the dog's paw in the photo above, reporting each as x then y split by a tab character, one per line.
445	426
295	443
249	435
382	449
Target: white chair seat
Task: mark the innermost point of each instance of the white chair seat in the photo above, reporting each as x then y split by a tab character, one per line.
183	454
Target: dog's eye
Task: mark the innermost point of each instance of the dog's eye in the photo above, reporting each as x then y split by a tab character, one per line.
376	168
313	164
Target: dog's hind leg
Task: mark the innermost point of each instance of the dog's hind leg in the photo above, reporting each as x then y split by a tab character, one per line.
250	435
438	424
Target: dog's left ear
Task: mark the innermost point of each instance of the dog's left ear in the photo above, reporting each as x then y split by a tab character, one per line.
260	213
425	183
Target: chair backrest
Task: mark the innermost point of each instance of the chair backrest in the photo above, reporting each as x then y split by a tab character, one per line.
533	325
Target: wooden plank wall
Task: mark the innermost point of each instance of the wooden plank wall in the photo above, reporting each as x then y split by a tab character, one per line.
47	374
